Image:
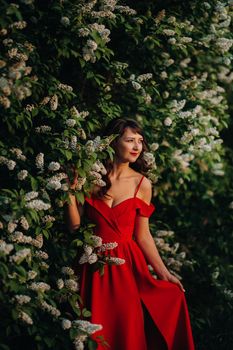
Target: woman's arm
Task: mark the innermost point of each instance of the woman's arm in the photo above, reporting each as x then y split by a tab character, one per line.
146	242
73	210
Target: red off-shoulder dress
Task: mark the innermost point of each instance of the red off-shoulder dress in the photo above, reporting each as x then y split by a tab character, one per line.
137	311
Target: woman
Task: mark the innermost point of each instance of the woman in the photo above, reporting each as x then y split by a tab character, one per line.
137	311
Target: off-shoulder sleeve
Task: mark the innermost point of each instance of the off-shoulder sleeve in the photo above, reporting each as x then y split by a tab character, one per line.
144	209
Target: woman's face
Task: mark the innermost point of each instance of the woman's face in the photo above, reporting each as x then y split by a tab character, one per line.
129	146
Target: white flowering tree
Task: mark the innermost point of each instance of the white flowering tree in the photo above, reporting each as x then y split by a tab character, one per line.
67	68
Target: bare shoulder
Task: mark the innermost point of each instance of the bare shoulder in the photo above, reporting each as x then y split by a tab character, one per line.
145	190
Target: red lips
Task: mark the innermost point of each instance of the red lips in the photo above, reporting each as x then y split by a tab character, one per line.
134	154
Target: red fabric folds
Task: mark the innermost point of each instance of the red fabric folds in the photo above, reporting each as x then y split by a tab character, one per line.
127	298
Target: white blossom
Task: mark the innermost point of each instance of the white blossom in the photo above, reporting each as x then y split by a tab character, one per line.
43	129
136	85
25	318
149	159
54	102
154	146
167	121
72	285
22	174
65	21
87	327
114	260
20	255
30	195
70	122
39	287
107	246
22	299
54	166
60	283
31	274
66	270
38	205
50	309
5	248
24	223
66	324
169	32
40	161
41	255
11	226
97	241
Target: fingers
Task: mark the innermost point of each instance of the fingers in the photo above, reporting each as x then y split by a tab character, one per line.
176	281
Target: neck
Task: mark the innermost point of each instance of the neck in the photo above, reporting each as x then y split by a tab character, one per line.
119	169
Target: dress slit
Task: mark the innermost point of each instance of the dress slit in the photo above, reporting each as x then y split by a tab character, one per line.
154	338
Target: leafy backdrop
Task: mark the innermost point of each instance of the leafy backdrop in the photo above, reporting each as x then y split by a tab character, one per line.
67	68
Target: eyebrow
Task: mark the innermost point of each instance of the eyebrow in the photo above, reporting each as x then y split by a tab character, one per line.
132	137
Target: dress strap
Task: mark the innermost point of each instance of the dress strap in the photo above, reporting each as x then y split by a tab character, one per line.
137	188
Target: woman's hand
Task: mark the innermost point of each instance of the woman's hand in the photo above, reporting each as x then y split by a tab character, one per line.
72	173
174	279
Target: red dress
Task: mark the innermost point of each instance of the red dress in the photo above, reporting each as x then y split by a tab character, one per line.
137	311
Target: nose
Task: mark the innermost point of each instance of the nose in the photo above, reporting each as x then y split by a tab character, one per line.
136	145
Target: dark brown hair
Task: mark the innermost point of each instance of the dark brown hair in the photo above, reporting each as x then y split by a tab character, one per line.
118	126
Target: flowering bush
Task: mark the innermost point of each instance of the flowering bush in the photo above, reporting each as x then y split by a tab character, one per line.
67	68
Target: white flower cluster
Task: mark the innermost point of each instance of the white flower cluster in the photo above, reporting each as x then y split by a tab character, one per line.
54	182
5	248
30	195
66	270
8	162
40	287
48	218
23	316
224	44
22	299
31	275
144	77
22	174
43	129
40	161
50	309
20	255
19	237
88	256
41	255
70	122
164	233
53	102
60	283
24	223
102	30
71	285
38	204
87	327
11	226
66	324
54	166
65	87
80	182
126	10
183	159
18	25
89	51
18	153
81	133
149	159
114	260
96	241
99	167
107	246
